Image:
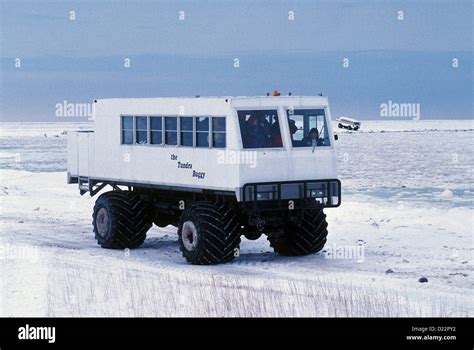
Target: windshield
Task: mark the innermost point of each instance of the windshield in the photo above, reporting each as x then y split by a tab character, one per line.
260	128
308	127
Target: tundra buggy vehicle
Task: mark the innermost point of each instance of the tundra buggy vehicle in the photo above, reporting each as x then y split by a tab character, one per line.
348	123
215	167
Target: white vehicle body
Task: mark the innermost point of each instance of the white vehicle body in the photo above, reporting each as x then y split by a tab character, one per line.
100	155
348	123
215	167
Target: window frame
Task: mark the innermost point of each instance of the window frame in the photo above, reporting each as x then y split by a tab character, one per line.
178	130
122	117
266	108
150	130
212	132
193	131
328	128
165	130
136	130
196	131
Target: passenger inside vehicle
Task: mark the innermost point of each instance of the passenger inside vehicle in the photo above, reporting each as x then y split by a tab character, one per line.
308	128
312	139
260	129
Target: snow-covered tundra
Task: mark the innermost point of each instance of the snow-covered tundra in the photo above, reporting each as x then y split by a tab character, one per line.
400	243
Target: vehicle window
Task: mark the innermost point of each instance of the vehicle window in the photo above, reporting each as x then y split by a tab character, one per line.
171	131
260	129
202	131
218	132
186	127
127	130
141	130
156	130
308	127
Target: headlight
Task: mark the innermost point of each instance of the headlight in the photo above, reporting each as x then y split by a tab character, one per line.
263	196
316	193
267	192
334	190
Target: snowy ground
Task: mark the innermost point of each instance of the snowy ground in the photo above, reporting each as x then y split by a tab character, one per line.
389	232
51	265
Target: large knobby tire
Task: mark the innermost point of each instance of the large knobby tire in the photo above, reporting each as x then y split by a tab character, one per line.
209	233
121	220
308	237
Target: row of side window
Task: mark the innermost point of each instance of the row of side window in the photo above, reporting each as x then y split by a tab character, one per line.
183	131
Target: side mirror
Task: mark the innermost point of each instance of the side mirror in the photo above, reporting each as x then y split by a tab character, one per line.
336	137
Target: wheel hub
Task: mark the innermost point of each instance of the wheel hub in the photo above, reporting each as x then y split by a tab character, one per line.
102	222
189	235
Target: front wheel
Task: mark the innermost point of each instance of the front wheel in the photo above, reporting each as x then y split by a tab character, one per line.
209	233
306	237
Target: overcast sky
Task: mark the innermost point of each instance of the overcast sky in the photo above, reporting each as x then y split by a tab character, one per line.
407	61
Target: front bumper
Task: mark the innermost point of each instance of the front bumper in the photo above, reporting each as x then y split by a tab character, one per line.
291	195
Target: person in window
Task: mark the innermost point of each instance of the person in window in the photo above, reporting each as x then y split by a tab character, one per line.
266	128
255	133
312	139
276	135
293	127
293	131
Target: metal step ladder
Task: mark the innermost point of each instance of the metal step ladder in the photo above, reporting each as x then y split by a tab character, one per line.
83	185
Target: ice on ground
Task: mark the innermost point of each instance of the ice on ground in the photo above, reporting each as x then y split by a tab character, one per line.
38	147
32	129
406	214
410	125
409	167
51	265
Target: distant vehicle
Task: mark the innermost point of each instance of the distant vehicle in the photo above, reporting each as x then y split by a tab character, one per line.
348	123
160	156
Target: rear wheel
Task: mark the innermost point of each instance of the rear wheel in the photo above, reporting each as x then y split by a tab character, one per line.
121	220
209	233
306	237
